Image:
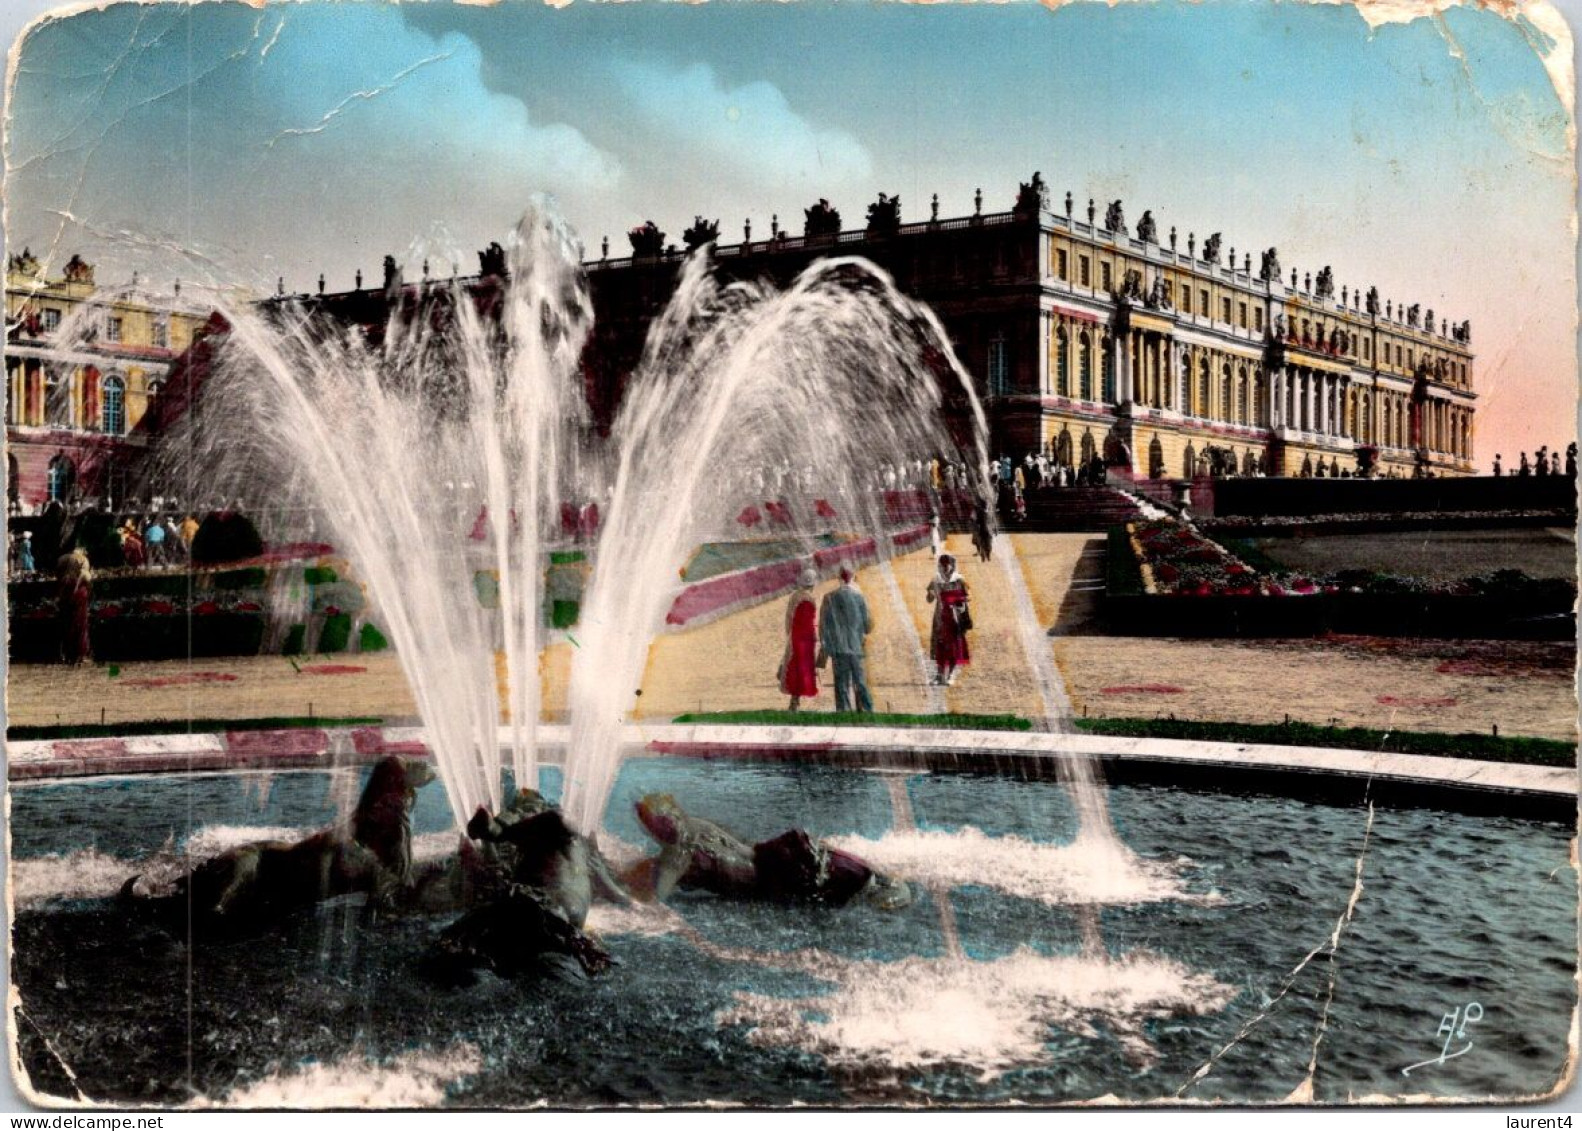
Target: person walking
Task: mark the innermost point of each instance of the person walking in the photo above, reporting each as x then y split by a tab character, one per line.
843	627
982	533
154	541
798	667
74	597
952	620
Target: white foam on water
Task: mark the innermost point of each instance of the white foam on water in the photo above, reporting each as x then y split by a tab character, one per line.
1087	871
211	840
85	874
414	1079
650	919
987	1017
91	874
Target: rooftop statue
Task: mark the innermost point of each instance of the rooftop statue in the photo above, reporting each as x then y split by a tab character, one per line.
1033	197
884	216
1269	272
23	264
491	260
78	271
1147	231
823	219
1211	248
1326	283
1115	218
648	242
702	232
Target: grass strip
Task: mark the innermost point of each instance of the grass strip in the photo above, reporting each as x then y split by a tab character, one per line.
1483	747
856	719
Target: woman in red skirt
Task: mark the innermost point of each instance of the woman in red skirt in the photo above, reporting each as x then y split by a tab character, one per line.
798	671
948	643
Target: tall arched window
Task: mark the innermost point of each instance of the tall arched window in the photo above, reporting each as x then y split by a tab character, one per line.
999	367
1224	392
60	478
1106	371
1084	366
1186	386
57	397
1203	401
1241	395
1062	363
113	412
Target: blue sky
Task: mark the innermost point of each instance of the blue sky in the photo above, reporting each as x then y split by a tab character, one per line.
224	142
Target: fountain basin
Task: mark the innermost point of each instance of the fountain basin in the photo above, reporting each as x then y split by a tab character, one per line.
1311	773
770	1005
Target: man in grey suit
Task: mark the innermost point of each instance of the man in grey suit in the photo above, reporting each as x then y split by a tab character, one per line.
843	627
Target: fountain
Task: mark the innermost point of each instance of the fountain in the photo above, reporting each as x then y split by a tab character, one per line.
449	443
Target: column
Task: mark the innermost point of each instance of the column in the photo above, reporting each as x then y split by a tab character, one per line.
1120	364
1046	335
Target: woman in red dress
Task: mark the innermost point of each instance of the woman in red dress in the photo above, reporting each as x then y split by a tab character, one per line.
798	671
948	642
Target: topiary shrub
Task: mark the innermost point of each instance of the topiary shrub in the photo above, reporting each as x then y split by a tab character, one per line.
336	633
370	639
226	536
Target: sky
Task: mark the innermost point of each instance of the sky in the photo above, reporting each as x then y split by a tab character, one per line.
226	144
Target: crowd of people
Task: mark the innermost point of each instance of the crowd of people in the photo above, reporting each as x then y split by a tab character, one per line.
1544	463
152	541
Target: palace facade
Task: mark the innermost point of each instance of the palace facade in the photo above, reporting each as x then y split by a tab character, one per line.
83	366
1085	338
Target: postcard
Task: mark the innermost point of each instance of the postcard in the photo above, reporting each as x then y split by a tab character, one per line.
781	555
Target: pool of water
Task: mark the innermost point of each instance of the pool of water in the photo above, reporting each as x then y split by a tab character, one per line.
1031	967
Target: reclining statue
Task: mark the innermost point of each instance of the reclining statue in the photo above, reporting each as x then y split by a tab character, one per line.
257	883
696	854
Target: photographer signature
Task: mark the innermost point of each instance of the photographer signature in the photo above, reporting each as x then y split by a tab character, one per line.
1453	1027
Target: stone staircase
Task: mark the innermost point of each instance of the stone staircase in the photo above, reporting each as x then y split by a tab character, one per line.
1074	509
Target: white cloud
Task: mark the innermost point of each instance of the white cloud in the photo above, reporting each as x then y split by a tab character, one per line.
749	132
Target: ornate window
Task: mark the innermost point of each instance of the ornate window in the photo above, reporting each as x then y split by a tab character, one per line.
60	478
57	397
1106	372
999	368
112	330
1204	402
113	408
1084	366
1062	363
1224	393
51	320
1241	396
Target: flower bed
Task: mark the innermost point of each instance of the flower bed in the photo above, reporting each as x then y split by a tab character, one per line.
1192	586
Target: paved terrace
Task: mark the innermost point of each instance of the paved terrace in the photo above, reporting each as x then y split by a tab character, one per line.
729	664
